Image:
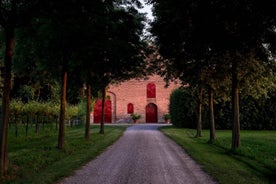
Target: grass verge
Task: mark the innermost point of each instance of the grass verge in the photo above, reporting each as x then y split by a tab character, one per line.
253	163
36	159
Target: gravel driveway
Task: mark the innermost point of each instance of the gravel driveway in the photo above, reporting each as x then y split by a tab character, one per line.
143	155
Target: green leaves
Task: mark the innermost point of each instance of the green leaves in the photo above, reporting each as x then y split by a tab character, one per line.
182	108
49	109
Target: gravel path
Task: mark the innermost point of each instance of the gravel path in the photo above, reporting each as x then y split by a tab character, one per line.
143	155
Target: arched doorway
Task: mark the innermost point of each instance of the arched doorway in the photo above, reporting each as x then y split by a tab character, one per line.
98	111
151	113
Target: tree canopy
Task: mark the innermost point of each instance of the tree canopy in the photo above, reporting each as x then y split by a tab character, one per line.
234	34
86	40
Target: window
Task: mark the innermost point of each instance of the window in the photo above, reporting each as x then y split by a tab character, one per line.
130	108
151	91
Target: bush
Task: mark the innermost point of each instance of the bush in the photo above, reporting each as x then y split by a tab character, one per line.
258	114
135	116
255	114
182	108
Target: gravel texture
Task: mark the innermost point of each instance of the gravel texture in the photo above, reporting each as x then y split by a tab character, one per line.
143	155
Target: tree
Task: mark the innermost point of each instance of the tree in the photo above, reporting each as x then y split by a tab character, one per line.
228	29
88	111
187	57
60	41
212	78
115	51
13	14
31	80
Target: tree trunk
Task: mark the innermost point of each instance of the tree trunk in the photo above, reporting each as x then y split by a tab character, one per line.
235	109
212	117
88	108
199	122
103	105
9	33
27	126
61	133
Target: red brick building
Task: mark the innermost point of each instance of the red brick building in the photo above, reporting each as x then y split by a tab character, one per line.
148	98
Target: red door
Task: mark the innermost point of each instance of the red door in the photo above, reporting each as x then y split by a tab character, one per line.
151	113
98	111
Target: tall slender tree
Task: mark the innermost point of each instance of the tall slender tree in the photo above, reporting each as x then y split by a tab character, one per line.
61	46
88	111
13	14
115	50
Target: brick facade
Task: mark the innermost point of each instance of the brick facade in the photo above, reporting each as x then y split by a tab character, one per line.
134	92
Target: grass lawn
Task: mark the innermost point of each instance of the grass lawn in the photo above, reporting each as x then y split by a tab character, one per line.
36	159
254	162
